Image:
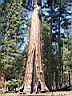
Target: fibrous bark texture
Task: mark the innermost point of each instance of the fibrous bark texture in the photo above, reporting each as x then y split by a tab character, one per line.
2	80
34	70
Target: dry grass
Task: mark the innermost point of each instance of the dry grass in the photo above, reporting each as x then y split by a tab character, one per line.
68	93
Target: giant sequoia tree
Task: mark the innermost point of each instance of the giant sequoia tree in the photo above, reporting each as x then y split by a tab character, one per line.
11	40
34	67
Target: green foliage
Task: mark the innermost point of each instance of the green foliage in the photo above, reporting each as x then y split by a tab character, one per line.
67	55
13	83
62	2
11	36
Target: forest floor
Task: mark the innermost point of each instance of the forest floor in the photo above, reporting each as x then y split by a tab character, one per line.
62	93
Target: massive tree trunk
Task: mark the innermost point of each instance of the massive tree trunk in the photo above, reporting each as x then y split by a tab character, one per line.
34	55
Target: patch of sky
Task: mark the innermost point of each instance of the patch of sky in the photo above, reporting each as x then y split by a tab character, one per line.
44	2
46	14
62	30
68	17
24	44
46	9
1	1
56	9
70	11
25	36
70	4
0	47
29	14
25	28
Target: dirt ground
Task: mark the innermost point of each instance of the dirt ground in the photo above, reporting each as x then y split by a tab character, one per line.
63	93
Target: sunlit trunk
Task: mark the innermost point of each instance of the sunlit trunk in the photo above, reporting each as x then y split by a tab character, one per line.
2	80
34	54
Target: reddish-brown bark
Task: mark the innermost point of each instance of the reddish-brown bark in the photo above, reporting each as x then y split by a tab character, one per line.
2	79
34	52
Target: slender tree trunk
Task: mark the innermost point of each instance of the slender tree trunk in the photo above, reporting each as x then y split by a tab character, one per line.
50	52
34	51
2	79
50	63
59	51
